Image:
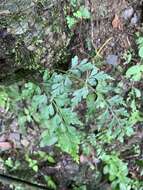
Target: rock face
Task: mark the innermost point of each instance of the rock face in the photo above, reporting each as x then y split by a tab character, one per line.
7	43
38	39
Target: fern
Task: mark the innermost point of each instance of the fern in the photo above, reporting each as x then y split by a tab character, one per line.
53	106
111	115
78	14
117	171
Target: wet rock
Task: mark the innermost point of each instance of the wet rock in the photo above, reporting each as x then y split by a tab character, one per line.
134	19
112	59
127	14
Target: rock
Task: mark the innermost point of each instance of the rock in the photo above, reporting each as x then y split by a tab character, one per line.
112	59
134	19
48	40
2	138
14	126
7	57
3	33
25	142
127	14
14	137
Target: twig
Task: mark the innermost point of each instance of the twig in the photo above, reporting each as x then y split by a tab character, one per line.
101	48
7	179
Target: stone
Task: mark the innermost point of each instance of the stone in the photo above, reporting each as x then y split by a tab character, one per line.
127	13
134	19
112	59
14	137
25	142
2	138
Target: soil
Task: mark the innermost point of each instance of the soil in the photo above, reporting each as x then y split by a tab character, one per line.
113	37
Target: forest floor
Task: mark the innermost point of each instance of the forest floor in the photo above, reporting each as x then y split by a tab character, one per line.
112	33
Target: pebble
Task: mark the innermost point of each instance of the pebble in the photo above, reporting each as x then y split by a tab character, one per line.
3	33
14	137
112	59
3	138
25	142
134	19
127	14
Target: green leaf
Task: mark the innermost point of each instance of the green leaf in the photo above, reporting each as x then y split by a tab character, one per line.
44	112
85	65
106	170
51	110
71	21
79	95
134	72
35	168
70	117
137	92
123	186
140	40
74	62
46	76
141	52
62	100
48	139
69	141
139	163
78	14
3	98
83	12
50	182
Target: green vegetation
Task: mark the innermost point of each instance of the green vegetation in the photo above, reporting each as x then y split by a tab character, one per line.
77	14
82	111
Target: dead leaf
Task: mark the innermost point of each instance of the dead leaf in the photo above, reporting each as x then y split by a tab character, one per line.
5	145
116	23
